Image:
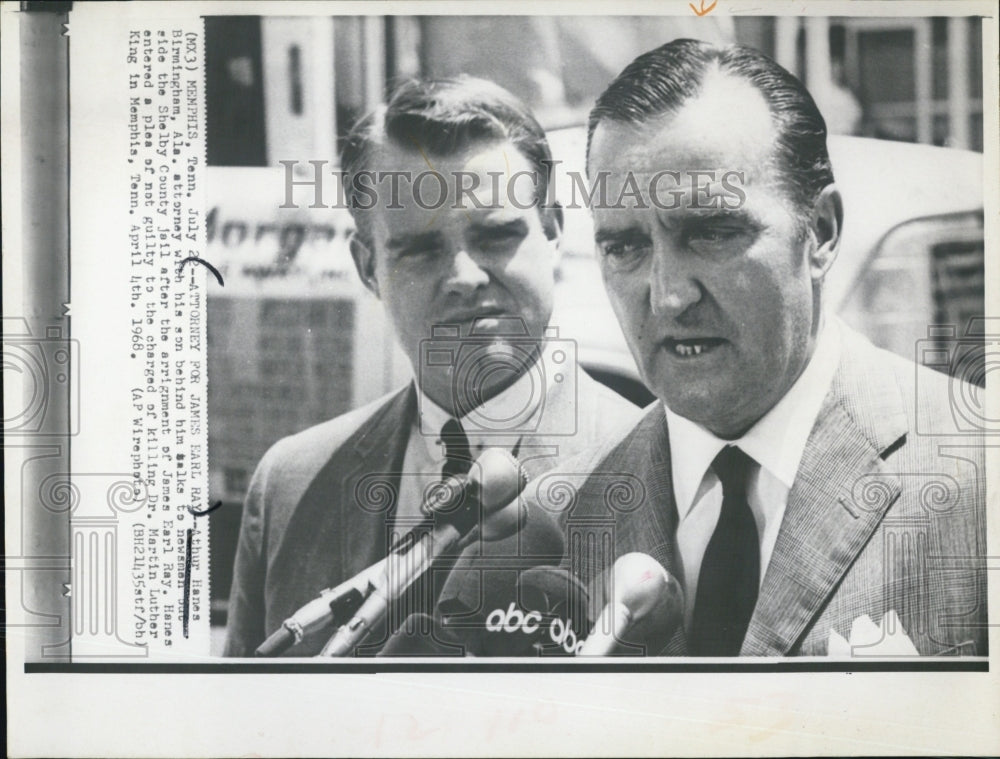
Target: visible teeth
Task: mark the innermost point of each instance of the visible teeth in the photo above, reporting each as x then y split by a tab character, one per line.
683	349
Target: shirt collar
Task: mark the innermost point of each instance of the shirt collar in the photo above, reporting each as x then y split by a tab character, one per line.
776	442
517	407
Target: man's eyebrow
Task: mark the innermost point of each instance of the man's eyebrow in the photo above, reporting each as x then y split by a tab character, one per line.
412	240
500	225
617	235
716	214
696	217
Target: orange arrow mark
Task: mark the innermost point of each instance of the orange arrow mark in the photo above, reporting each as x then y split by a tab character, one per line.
703	10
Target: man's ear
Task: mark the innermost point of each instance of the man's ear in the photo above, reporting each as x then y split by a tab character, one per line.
364	262
552	223
827	224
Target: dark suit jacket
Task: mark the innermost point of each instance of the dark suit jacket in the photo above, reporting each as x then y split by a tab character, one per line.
320	503
887	512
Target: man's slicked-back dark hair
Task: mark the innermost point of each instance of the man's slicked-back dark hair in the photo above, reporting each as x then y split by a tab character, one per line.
663	80
440	117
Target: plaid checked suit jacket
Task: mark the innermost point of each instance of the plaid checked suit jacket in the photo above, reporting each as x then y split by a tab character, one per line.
887	512
320	506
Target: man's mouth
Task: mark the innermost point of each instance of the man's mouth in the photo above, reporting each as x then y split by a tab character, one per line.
473	315
692	347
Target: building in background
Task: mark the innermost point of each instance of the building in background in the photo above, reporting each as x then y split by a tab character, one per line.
279	85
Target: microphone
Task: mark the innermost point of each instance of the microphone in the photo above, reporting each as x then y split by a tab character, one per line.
554	604
489	481
507	600
421	635
333	605
493	483
494	480
645	606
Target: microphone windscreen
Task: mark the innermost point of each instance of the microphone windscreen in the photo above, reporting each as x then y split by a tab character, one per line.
495	479
421	635
496	564
499	476
654	602
560	598
507	598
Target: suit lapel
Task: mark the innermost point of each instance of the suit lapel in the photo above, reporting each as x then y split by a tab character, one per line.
370	481
339	525
840	495
652	526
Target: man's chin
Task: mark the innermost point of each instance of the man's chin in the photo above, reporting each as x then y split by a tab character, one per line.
701	408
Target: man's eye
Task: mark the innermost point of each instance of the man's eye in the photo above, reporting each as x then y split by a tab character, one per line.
415	251
623	251
715	235
500	238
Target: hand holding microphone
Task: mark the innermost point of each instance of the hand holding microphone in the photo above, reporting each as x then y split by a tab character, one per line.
644	606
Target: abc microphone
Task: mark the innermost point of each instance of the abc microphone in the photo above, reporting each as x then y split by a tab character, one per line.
544	613
644	608
505	599
494	482
553	613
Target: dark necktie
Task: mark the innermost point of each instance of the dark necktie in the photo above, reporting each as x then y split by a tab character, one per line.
457	456
730	570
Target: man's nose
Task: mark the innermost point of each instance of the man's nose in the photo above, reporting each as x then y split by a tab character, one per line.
466	275
673	288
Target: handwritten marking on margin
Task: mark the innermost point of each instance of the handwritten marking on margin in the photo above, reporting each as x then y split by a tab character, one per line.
703	10
207	265
209	510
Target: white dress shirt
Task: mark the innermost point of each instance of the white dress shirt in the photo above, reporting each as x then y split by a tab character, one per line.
775	443
425	453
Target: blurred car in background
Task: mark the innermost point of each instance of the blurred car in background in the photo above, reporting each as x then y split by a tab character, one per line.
910	273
